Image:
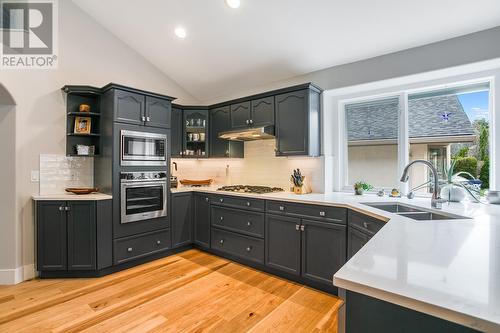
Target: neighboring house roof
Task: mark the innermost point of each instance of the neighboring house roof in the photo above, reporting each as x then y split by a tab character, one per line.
379	120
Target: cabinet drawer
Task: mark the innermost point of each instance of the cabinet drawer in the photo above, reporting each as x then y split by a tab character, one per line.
333	214
238	245
238	202
141	245
364	222
246	222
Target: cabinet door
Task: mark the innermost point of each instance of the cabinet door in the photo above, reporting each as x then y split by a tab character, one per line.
129	107
263	111
182	230
158	112
292	123
195	133
51	235
283	243
176	143
81	235
240	115
220	122
202	220
355	241
323	250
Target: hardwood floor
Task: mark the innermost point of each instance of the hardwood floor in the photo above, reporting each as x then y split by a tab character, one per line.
189	292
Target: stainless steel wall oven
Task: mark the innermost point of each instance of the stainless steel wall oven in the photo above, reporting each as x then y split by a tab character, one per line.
143	196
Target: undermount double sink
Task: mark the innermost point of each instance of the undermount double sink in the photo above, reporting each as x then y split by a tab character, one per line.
413	212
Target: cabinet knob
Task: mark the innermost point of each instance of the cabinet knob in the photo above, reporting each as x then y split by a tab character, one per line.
247	122
221	200
221	242
67	208
248	203
206	199
62	208
322	214
148	118
222	218
251	121
130	249
297	227
365	224
143	118
282	208
158	242
249	223
302	227
249	248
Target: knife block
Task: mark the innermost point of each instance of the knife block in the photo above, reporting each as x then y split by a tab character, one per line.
304	189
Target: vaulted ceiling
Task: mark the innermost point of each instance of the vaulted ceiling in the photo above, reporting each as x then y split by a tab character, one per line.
230	50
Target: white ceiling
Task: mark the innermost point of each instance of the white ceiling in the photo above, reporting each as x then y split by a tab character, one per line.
227	51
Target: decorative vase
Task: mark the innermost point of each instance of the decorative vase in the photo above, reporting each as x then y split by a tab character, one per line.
453	193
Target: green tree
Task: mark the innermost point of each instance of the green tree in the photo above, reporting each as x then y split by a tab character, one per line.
484	174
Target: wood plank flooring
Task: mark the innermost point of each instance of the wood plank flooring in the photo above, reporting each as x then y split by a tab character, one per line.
189	292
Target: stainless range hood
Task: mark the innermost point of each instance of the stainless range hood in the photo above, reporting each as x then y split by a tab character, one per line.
249	134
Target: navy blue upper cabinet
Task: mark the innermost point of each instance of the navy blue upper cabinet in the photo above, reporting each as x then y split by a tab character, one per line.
220	121
129	107
262	112
176	134
298	123
240	115
157	112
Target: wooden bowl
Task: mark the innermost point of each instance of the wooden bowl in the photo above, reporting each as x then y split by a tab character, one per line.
81	190
201	182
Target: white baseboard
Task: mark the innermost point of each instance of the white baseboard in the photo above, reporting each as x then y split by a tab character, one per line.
17	275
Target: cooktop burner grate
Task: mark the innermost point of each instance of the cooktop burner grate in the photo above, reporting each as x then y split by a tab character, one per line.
250	189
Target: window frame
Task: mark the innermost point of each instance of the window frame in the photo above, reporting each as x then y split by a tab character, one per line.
403	140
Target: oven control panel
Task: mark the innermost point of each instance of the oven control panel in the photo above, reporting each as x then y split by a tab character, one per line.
143	176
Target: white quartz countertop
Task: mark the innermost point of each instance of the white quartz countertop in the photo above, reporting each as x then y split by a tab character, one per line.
446	268
71	196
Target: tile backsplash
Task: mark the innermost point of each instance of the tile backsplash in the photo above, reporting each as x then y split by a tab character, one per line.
58	172
259	167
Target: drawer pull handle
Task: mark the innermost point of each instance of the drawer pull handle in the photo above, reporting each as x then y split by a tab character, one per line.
297	227
302	227
221	242
222	218
365	224
249	248
130	249
158	242
248	203
322	214
206	199
282	208
221	200
249	223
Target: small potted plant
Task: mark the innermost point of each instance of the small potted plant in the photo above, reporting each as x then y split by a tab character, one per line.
360	187
456	186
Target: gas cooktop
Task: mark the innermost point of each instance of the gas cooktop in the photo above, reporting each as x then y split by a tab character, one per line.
250	189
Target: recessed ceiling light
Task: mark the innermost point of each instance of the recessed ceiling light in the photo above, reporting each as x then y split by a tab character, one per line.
233	3
180	32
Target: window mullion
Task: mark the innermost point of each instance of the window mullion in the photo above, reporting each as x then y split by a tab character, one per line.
403	139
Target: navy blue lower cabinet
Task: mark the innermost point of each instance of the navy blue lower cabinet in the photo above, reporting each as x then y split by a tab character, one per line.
283	243
323	250
202	220
182	219
73	236
368	314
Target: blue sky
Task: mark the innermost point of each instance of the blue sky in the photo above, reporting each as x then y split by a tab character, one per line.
475	104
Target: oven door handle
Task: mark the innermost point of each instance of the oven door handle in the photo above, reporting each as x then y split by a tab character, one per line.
144	184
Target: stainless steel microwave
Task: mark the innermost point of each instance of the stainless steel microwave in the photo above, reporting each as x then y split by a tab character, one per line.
143	149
